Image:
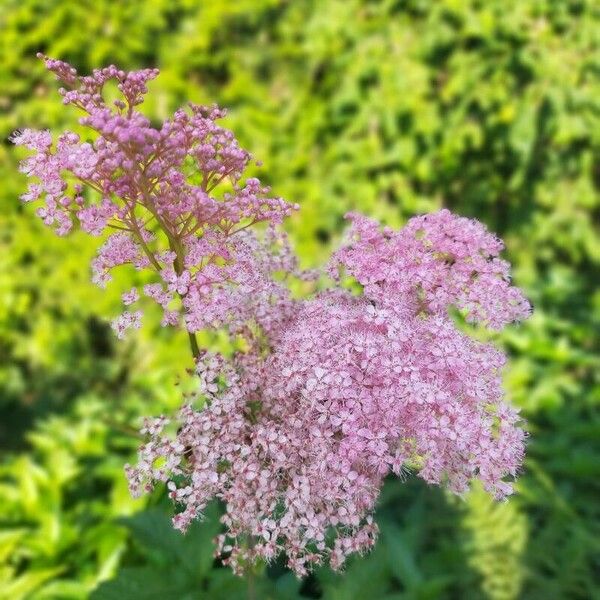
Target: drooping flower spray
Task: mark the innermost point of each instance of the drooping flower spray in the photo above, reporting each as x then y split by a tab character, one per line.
331	392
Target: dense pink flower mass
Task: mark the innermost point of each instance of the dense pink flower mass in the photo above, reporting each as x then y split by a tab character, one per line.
332	392
172	197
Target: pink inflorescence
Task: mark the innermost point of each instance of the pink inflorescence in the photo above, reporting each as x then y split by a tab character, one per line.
171	198
331	393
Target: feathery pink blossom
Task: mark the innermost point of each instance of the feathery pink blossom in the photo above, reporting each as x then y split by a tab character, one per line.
332	392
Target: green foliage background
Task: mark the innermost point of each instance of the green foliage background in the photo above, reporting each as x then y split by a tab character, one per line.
394	107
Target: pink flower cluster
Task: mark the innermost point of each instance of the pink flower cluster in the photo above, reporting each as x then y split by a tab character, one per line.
331	393
172	197
297	442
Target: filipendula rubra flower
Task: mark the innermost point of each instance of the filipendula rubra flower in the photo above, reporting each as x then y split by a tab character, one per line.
331	392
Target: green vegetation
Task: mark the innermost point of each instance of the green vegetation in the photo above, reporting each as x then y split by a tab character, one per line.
491	108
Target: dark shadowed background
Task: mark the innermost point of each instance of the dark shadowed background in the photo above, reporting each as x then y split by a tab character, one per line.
491	108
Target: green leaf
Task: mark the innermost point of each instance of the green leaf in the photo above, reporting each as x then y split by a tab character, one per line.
191	550
8	542
148	583
21	587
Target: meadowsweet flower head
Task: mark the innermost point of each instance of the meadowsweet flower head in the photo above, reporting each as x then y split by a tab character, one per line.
354	388
332	392
170	198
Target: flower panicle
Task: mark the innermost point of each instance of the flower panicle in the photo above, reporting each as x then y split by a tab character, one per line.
331	393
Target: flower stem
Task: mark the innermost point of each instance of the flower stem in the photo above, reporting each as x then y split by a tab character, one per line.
194	345
251	584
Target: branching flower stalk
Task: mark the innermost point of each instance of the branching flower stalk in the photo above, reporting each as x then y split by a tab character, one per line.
331	392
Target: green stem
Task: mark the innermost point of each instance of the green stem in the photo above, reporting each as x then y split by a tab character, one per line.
194	345
251	584
251	573
174	244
